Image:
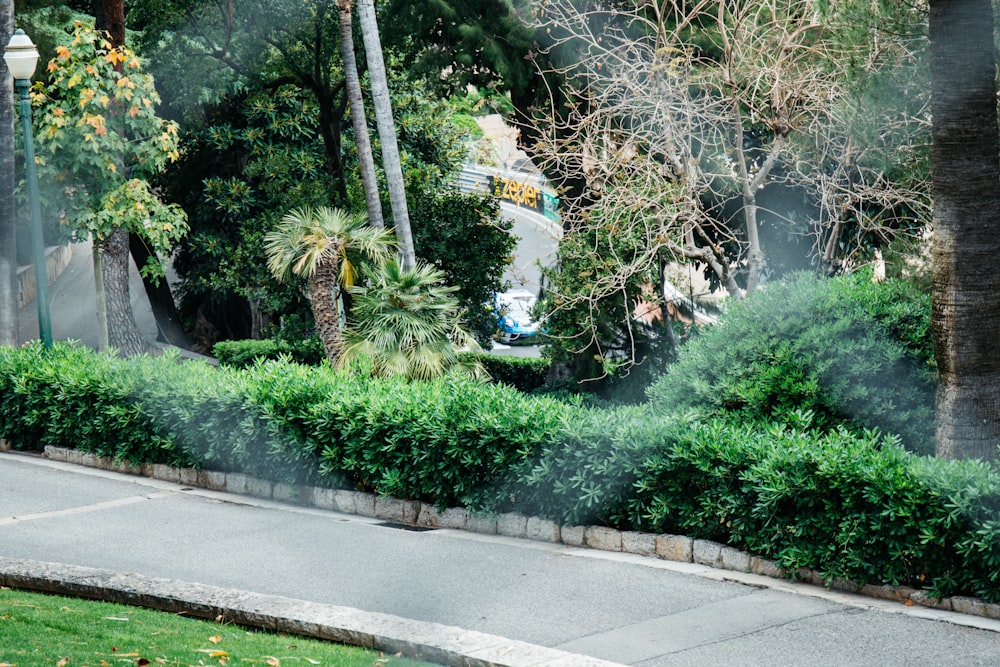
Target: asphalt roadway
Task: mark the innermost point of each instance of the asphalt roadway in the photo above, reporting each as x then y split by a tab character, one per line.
622	608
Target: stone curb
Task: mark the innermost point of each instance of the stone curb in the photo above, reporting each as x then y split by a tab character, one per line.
434	642
677	548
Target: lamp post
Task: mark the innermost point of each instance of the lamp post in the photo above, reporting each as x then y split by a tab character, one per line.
21	57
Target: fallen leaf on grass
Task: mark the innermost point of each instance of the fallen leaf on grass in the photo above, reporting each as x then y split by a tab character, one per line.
274	662
142	662
215	639
63	662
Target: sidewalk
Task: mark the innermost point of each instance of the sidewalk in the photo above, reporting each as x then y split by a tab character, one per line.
488	599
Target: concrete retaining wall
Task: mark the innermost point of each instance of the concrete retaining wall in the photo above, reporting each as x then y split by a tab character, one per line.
56	260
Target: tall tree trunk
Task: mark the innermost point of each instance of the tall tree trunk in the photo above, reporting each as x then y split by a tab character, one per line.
8	234
161	299
387	132
353	83
325	310
123	333
966	185
102	297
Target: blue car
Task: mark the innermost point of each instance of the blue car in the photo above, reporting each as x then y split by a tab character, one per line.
514	320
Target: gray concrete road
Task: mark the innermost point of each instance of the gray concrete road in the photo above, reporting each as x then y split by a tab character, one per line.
73	303
627	609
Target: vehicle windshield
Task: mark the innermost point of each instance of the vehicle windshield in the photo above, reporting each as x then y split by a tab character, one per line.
519	305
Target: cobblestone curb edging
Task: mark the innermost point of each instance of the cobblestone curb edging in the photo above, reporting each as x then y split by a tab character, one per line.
677	548
443	644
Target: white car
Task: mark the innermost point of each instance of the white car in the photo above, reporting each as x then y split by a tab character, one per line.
514	320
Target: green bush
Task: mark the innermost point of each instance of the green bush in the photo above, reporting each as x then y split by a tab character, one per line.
526	374
850	351
243	353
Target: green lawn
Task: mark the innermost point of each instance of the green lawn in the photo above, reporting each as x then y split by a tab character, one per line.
39	630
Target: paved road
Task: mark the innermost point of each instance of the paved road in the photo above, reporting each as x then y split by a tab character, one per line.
628	609
73	303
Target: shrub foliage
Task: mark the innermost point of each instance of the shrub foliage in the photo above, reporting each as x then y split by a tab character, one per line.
848	350
850	503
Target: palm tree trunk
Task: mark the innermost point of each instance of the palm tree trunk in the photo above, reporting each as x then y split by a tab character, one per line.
353	83
966	185
325	310
8	248
387	132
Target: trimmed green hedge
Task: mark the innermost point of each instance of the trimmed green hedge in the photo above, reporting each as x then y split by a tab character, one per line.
850	506
849	503
525	374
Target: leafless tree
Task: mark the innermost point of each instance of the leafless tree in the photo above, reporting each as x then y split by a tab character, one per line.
675	108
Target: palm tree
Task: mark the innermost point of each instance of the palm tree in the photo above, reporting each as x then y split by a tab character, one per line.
352	83
386	131
406	322
314	243
966	185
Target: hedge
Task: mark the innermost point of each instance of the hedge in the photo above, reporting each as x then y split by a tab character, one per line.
848	503
525	374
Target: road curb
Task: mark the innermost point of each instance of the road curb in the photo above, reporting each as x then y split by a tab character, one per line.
434	642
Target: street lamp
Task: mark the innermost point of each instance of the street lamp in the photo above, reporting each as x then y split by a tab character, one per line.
21	57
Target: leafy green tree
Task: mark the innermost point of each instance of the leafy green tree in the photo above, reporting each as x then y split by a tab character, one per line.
100	138
261	156
315	244
465	236
407	322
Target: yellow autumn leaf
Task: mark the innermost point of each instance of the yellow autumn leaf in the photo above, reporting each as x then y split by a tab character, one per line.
215	639
105	100
219	654
62	53
133	111
63	662
274	662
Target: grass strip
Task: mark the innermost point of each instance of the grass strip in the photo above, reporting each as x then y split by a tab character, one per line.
39	630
